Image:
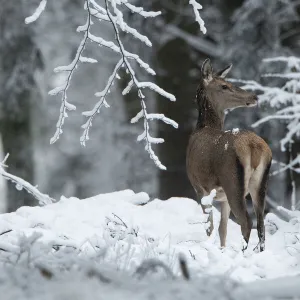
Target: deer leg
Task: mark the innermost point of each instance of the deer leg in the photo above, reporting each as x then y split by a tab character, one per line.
225	212
239	210
234	187
257	187
207	210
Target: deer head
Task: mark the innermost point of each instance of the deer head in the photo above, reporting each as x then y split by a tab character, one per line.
222	94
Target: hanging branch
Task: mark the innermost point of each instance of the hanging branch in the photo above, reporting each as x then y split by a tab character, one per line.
118	22
112	14
65	105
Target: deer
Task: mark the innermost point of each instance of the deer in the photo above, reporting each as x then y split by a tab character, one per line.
233	163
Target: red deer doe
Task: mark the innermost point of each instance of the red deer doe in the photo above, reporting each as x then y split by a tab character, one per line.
234	163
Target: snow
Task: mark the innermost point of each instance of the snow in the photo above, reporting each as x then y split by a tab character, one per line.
111	242
128	233
235	130
208	200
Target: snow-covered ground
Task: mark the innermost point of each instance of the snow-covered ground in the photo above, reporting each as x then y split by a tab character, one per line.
82	249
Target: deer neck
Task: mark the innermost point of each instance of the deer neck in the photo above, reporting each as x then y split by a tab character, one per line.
208	116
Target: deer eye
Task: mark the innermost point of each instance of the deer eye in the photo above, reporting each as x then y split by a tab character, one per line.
224	87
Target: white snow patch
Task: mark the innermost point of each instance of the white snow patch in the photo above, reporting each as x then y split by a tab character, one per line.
235	130
209	199
73	237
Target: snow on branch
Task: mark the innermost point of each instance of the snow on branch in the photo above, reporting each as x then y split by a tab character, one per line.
69	69
115	16
102	102
286	101
37	12
112	12
140	10
196	8
21	183
287	96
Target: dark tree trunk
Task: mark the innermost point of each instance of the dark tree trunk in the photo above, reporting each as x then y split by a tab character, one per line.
19	58
172	153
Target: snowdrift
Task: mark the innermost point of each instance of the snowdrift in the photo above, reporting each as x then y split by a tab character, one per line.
77	247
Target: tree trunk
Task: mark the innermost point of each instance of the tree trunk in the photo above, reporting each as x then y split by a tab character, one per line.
172	153
18	61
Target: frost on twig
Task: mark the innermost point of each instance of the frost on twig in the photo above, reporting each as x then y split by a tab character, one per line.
37	12
112	12
22	184
286	102
285	99
196	8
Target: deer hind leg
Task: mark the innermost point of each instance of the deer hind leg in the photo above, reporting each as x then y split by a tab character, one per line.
207	210
225	212
234	187
257	187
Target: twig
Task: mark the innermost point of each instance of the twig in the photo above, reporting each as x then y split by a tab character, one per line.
46	273
151	265
98	275
120	220
192	255
21	183
7	231
183	267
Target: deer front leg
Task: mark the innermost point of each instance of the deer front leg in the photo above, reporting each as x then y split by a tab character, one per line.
207	210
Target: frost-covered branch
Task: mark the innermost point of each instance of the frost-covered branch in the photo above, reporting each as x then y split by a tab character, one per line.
69	69
37	12
102	102
285	167
196	8
286	101
22	184
118	22
112	13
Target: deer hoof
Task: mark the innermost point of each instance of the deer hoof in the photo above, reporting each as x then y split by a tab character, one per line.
260	247
245	245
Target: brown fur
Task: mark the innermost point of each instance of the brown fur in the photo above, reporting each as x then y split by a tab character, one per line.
233	163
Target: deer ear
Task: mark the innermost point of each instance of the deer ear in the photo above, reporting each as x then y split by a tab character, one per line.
223	73
207	71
